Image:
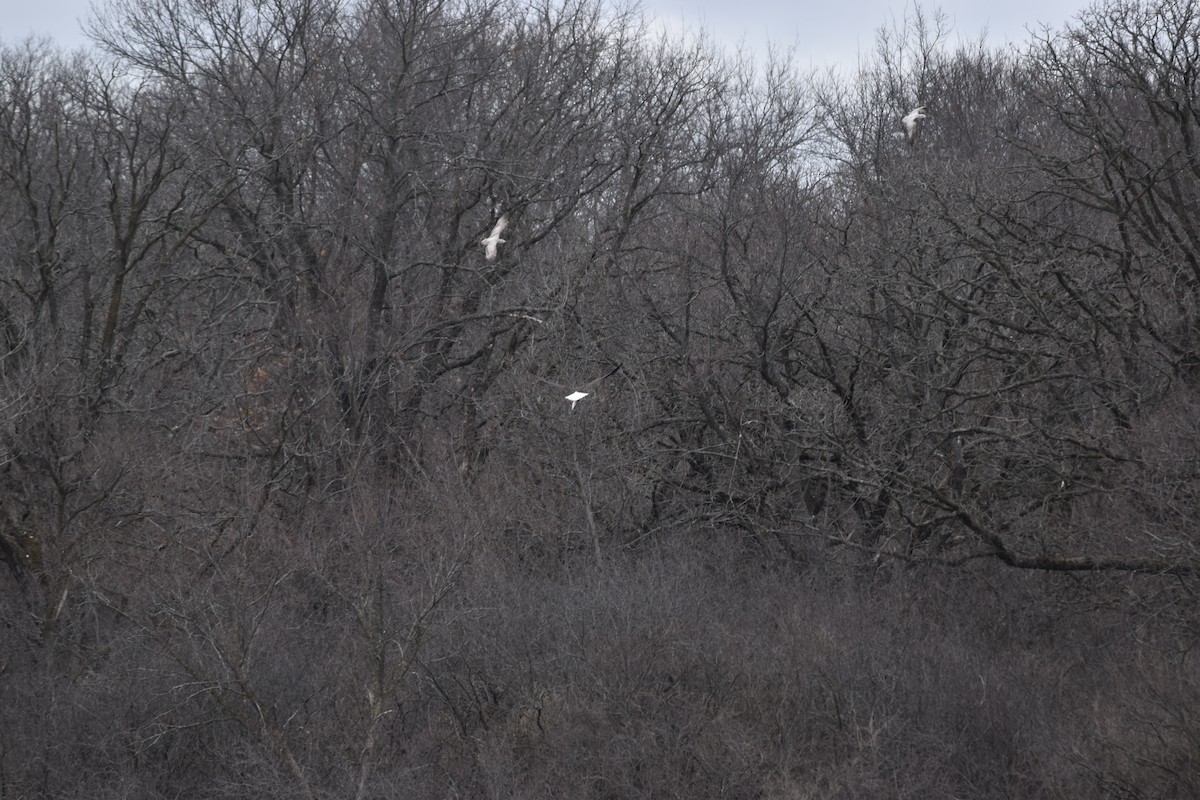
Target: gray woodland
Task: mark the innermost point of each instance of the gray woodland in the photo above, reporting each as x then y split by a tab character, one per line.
891	487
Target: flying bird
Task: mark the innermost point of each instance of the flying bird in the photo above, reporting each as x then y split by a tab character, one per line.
493	240
910	122
580	393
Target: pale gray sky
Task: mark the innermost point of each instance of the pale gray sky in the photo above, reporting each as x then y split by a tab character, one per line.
826	31
58	19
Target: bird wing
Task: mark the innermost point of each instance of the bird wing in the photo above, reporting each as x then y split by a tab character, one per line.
499	227
910	121
490	253
578	387
592	383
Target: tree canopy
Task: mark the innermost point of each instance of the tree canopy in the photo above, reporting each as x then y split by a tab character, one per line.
292	489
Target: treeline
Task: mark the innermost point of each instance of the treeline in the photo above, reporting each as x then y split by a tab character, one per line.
887	482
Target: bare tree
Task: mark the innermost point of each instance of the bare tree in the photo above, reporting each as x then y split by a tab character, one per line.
885	481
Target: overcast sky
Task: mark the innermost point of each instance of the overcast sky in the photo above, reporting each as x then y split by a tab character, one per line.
836	31
825	31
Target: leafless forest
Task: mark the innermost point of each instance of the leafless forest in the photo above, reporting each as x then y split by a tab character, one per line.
892	488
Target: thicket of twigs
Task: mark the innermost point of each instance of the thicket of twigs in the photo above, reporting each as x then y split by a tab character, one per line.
889	485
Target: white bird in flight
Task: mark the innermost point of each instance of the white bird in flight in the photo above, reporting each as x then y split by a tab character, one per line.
493	240
910	122
577	395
